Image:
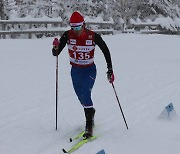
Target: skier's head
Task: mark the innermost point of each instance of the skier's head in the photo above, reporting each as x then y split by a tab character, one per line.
76	21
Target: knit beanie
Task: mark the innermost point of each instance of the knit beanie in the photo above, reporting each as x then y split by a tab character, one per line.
76	19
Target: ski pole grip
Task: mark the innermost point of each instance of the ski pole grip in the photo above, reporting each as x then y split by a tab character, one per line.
55	42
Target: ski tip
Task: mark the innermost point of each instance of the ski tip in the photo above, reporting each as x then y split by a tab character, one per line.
64	151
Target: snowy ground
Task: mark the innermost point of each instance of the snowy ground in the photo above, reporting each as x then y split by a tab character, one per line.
147	78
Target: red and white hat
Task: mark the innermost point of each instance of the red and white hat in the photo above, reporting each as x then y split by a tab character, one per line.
76	19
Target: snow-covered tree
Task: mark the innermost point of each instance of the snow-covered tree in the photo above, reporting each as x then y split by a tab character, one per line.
121	11
2	14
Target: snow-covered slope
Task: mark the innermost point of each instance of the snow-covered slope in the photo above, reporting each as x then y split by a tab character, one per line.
147	78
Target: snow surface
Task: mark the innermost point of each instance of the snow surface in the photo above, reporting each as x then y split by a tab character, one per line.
147	78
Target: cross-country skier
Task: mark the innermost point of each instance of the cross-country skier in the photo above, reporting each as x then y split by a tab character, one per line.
81	45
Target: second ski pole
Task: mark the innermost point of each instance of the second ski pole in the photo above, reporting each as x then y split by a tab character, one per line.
119	105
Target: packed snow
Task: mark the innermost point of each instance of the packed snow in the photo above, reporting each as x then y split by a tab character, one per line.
147	79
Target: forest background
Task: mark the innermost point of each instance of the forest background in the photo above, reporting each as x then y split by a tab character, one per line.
121	12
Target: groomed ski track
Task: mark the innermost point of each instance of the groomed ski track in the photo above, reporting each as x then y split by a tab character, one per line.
147	78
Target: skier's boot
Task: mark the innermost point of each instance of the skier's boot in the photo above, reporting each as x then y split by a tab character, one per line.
89	114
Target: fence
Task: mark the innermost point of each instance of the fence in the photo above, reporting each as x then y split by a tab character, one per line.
13	29
152	28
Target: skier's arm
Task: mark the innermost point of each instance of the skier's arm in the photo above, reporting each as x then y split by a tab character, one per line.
102	45
62	44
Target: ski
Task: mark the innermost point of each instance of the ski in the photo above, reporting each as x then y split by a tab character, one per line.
79	144
77	136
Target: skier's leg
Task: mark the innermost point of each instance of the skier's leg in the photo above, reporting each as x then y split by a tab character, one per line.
83	81
87	101
76	76
89	114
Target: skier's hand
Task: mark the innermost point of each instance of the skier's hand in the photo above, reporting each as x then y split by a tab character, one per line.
110	75
55	46
55	43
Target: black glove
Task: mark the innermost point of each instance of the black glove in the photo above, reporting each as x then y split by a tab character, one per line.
54	52
110	75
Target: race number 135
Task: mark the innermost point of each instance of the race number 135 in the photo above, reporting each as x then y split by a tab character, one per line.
81	55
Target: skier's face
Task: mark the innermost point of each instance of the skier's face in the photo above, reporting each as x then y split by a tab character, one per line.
78	29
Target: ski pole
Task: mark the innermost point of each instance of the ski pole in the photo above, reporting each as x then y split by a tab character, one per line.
55	46
56	89
119	104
